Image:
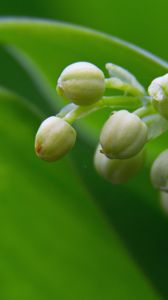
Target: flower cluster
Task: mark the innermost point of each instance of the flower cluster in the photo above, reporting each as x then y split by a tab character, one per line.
121	148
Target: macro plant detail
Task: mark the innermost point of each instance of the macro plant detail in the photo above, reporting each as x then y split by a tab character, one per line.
82	82
62	225
117	170
54	139
121	148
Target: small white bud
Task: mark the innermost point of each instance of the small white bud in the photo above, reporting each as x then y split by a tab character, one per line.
123	135
159	172
117	170
158	90
83	83
164	201
54	139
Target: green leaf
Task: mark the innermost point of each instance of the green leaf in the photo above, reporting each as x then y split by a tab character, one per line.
54	241
62	45
61	225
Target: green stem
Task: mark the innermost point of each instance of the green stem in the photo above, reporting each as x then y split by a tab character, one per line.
145	111
116	83
150	119
149	116
114	102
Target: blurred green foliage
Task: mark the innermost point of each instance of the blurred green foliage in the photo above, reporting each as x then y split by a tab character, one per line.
60	223
143	23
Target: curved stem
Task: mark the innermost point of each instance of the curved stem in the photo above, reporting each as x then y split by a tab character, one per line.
118	84
115	102
145	111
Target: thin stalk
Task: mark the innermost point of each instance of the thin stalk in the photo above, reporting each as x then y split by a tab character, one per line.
114	102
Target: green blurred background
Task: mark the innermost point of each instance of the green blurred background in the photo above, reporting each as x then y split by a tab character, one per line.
143	23
36	248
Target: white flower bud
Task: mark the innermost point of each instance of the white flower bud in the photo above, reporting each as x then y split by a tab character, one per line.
123	135
54	139
81	82
117	170
159	172
164	201
158	90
